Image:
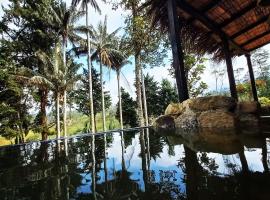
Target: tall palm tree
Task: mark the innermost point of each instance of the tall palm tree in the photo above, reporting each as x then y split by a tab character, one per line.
103	43
62	77
55	77
84	5
63	21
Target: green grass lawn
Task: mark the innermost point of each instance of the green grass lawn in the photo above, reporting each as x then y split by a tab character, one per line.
76	125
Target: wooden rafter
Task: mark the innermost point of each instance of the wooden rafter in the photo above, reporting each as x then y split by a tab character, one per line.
255	38
207	22
249	27
238	14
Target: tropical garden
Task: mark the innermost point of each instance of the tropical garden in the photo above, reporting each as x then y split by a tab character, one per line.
52	62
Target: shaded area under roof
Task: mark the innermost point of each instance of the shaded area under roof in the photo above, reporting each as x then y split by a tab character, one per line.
206	23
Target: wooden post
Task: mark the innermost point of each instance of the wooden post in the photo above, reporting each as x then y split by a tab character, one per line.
178	56
228	59
252	79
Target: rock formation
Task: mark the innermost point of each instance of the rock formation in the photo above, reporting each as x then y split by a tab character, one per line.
209	112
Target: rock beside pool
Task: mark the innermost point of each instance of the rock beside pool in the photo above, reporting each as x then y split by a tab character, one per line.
209	112
164	122
188	120
213	103
248	107
217	119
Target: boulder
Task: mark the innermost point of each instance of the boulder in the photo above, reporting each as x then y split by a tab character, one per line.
174	109
248	107
216	119
213	103
209	112
188	120
164	122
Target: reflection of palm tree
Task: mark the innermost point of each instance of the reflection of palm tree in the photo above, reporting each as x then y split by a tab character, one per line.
123	151
264	156
144	160
93	166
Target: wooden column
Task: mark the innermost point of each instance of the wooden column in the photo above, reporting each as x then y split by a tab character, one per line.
252	79
228	59
178	56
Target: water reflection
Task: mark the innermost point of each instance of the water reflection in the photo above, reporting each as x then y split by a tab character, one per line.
139	165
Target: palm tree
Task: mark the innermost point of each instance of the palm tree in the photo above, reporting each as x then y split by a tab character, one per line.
62	77
84	6
55	77
105	51
63	21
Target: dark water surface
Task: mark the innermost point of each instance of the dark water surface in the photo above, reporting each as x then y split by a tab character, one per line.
140	164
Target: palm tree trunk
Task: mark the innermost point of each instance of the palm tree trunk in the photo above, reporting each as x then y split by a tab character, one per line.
138	89
144	101
120	100
137	66
65	113
43	116
58	115
102	97
90	74
65	92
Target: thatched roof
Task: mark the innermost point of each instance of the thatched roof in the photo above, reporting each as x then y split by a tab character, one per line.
204	22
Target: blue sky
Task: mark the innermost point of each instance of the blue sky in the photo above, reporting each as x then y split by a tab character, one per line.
115	20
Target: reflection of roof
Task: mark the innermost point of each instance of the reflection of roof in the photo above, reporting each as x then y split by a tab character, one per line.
242	22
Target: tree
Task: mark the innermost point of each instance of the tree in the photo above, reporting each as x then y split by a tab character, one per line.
14	116
260	60
167	94
55	76
81	98
26	29
105	50
85	7
218	73
129	110
152	89
145	44
63	22
194	68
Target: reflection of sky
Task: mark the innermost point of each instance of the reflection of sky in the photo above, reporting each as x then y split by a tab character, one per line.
164	164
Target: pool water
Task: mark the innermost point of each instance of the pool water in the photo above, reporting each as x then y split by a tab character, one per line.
139	164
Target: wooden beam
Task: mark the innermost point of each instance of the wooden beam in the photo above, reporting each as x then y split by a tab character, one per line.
257	47
178	56
252	79
255	38
228	59
238	14
209	6
249	27
207	22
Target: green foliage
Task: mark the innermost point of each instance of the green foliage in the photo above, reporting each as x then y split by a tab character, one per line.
260	60
129	110
152	95
167	94
80	94
14	116
264	101
194	68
